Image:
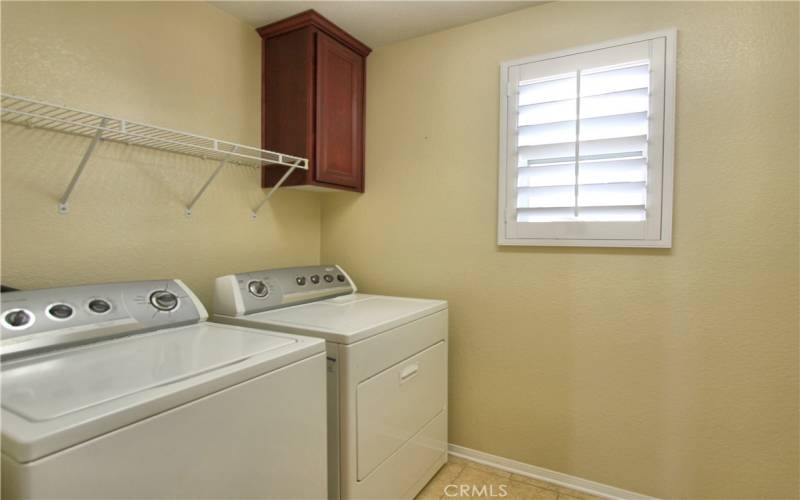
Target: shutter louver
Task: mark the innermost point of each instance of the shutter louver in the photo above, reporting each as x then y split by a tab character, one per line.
582	143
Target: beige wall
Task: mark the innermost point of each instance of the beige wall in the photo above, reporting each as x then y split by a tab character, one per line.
187	66
667	372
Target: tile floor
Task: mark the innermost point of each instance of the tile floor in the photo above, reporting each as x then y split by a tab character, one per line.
483	482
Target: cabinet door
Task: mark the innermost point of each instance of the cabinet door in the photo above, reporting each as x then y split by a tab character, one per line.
340	113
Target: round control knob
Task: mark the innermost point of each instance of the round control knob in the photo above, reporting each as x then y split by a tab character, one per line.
60	311
258	288
328	278
18	318
301	280
99	306
315	278
164	300
340	278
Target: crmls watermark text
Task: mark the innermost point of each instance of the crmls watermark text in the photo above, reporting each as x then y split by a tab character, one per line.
474	490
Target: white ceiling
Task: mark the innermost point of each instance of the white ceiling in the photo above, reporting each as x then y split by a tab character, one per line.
377	23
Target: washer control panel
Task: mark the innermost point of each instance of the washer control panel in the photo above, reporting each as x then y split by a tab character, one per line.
35	320
256	291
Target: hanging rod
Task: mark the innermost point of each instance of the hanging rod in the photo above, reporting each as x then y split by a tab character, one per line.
38	114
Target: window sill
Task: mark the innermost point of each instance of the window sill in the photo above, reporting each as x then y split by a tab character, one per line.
536	242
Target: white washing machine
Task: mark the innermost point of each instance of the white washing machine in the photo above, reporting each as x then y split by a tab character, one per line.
387	371
125	391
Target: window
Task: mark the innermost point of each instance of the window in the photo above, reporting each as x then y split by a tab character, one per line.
586	146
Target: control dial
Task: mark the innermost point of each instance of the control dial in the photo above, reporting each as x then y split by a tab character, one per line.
164	300
340	278
18	318
315	278
99	306
60	311
328	278
300	280
258	288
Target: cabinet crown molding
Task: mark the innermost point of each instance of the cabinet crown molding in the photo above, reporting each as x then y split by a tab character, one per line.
313	18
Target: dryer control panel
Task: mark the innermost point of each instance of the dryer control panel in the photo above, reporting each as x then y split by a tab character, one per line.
36	320
257	291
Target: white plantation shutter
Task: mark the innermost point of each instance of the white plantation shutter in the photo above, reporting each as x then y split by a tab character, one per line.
584	143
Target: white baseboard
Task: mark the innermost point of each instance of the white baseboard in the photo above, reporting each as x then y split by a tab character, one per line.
559	478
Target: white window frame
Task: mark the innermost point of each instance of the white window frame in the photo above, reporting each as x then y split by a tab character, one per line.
506	217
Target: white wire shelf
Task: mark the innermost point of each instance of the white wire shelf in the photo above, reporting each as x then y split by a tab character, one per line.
37	114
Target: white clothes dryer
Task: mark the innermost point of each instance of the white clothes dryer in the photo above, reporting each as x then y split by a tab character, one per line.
387	371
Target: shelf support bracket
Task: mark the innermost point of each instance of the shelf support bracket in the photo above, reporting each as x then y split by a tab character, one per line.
208	183
295	164
63	203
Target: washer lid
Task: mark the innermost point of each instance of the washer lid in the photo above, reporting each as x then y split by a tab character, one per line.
56	385
348	318
58	399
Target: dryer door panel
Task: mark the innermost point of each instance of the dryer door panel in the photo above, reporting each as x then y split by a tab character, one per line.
396	403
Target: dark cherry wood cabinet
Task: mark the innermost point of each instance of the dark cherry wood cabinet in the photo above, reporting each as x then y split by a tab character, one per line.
312	101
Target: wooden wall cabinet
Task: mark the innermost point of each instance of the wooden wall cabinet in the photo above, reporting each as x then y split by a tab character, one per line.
312	101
